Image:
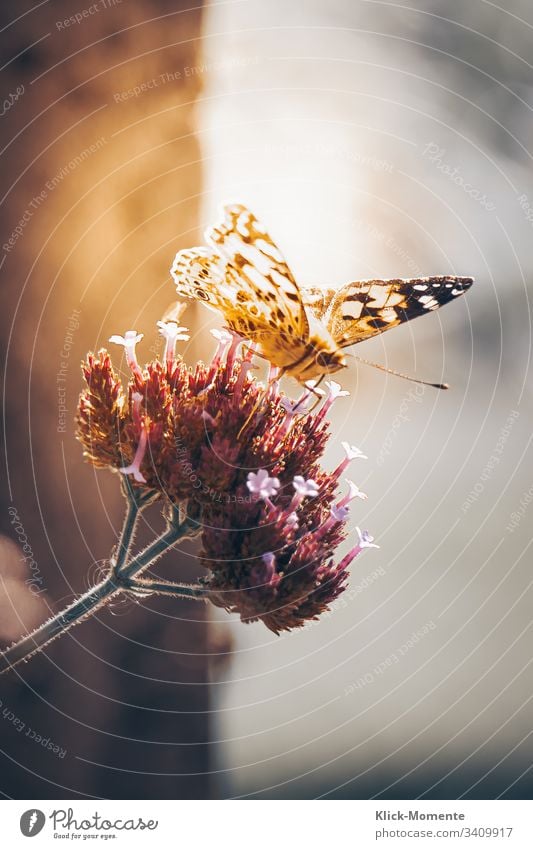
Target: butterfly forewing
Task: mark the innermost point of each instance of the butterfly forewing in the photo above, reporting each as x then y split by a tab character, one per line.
259	264
200	273
361	309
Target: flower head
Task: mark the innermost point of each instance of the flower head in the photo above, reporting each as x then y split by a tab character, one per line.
193	436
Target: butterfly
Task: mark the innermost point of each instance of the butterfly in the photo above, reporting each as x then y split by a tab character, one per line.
301	330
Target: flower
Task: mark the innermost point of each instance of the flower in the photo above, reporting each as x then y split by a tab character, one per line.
339	514
365	539
214	438
291	520
129	342
353	492
335	390
293	407
308	488
223	337
134	468
261	484
353	453
170	330
312	385
172	333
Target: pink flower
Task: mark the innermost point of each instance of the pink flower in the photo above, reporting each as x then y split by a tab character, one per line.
260	484
353	492
365	539
305	488
129	342
171	333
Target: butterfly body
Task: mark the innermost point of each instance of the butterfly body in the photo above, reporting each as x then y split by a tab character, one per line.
310	357
302	331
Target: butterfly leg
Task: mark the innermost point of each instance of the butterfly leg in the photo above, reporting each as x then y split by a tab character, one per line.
263	400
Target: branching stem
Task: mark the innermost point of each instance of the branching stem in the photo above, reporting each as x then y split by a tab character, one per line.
121	578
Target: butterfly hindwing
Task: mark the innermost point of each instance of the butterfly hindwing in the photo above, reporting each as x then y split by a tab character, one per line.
199	273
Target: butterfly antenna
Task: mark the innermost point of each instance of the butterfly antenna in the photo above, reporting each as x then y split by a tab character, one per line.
400	374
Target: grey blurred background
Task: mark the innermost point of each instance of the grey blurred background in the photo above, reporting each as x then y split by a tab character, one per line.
382	139
374	139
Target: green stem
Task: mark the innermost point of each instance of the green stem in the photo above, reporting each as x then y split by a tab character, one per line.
128	529
123	570
148	586
58	624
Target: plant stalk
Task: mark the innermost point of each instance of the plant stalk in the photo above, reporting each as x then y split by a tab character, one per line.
120	579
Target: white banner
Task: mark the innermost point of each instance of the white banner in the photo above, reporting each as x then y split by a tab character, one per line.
268	824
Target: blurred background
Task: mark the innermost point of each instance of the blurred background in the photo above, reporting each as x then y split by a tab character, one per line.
374	139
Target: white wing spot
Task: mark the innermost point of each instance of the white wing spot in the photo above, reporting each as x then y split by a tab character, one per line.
388	314
269	249
256	277
256	258
243	224
352	309
378	295
429	302
283	282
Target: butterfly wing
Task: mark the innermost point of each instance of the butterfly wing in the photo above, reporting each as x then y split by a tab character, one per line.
201	274
243	275
261	269
364	308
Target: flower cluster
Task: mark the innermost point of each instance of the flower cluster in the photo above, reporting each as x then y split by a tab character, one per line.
246	461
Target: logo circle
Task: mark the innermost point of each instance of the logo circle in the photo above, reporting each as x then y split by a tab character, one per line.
32	822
